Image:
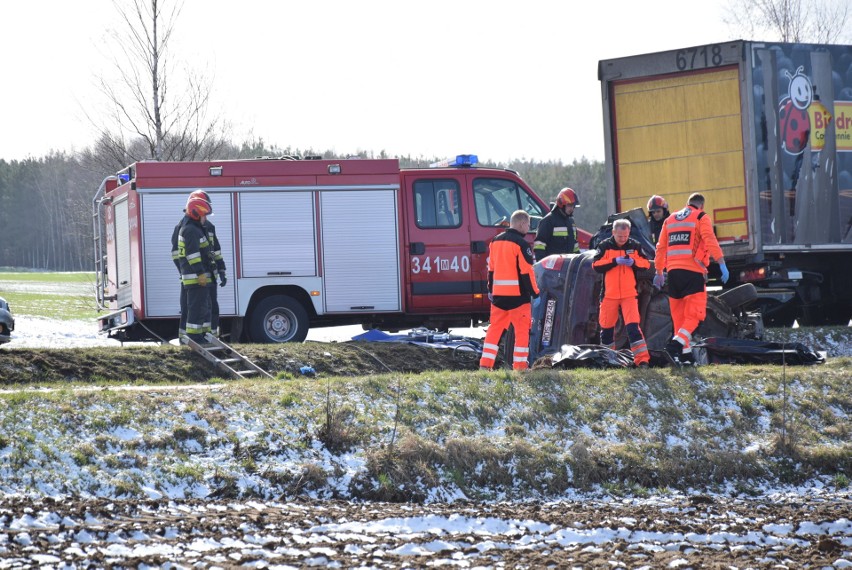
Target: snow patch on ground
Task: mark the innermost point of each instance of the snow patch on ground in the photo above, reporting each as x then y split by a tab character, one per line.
41	332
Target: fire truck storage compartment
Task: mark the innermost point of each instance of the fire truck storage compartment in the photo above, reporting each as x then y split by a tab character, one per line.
160	212
360	237
123	284
277	234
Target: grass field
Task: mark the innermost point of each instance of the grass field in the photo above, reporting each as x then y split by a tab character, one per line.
490	435
400	435
52	295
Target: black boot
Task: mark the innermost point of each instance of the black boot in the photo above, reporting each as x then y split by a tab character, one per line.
675	350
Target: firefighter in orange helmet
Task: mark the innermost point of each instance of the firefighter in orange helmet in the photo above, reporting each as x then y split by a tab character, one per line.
618	258
194	254
216	264
511	284
658	211
556	232
686	246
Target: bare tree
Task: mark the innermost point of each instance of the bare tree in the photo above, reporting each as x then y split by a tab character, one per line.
148	102
819	21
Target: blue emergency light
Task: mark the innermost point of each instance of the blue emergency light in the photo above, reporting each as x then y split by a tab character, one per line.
124	177
461	160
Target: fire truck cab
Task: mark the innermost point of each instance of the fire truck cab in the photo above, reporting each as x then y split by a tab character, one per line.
307	242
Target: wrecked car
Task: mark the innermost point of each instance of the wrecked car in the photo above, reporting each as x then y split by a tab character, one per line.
567	313
7	322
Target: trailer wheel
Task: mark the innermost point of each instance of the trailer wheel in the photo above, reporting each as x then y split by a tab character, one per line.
775	314
839	315
824	315
279	319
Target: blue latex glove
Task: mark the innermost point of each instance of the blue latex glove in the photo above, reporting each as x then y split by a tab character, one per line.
628	261
725	274
536	302
659	280
490	298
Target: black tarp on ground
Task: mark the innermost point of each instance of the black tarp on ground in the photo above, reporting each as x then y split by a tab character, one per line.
716	350
591	356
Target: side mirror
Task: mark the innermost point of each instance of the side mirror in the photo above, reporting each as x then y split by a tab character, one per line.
534	221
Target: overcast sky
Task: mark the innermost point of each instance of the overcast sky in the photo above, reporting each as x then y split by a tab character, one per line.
501	79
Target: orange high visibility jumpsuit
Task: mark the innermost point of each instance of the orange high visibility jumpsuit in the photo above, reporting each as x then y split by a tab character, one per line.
686	244
620	293
511	283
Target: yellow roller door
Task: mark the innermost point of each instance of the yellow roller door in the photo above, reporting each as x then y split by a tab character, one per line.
681	134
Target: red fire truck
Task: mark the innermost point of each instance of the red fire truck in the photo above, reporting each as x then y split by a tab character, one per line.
307	242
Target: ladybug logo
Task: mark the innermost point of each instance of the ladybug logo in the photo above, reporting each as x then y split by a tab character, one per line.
793	113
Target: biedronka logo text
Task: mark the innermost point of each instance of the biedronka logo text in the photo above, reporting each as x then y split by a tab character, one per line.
804	119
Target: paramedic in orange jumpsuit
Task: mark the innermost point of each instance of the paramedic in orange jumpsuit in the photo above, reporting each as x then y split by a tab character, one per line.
618	258
511	283
686	245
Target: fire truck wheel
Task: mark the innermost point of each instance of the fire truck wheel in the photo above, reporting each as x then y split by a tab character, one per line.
279	319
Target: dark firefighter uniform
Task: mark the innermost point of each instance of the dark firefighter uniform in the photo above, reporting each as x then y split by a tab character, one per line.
216	264
684	249
657	226
194	253
176	260
511	283
620	292
556	234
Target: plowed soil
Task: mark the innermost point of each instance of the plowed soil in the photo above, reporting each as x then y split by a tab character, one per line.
694	532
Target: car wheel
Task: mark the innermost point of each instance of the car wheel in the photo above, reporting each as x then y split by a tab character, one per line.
739	296
719	322
279	319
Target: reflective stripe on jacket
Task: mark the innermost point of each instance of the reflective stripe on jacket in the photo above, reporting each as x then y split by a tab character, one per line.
619	280
511	280
193	252
656	227
556	234
218	262
687	242
175	250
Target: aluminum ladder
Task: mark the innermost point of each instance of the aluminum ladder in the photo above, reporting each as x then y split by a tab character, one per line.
226	358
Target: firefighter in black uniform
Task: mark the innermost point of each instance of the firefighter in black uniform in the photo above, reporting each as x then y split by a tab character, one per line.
176	260
215	265
194	254
658	211
556	232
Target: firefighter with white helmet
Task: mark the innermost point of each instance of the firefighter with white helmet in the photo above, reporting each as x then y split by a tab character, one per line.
194	255
658	211
556	232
